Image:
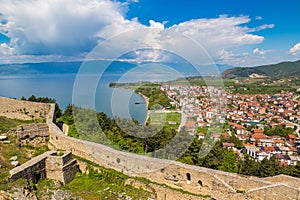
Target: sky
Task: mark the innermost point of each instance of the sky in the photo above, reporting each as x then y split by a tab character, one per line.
233	32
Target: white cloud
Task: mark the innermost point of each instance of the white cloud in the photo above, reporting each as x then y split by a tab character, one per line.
230	57
157	25
55	26
259	51
258	18
221	32
75	27
262	27
295	50
5	49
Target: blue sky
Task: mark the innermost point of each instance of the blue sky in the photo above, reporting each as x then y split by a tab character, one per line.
235	32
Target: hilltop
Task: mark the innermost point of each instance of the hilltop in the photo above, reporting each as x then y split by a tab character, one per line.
145	176
282	69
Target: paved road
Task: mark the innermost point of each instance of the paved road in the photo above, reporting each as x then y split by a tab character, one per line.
183	121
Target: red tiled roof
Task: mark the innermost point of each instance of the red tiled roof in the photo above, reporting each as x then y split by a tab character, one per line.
247	145
190	124
293	149
225	134
291	136
278	141
227	144
259	136
237	126
258	131
269	148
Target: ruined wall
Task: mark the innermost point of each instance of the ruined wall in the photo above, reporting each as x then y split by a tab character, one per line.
34	169
62	168
47	165
276	191
218	184
35	134
32	131
65	129
198	180
24	110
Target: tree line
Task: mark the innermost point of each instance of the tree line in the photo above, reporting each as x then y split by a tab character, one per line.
167	143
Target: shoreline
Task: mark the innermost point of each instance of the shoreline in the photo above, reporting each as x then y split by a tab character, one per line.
140	94
147	104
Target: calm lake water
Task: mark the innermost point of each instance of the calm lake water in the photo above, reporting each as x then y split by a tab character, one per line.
112	101
57	80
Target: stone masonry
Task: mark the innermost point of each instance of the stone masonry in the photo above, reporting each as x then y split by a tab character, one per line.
33	134
24	110
47	165
194	179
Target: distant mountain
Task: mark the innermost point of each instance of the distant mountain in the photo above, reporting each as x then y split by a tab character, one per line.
116	67
223	67
39	68
283	69
61	67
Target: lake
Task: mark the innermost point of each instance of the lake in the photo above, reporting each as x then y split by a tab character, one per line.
60	87
56	80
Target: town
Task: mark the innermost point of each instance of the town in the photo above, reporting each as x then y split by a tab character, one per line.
266	125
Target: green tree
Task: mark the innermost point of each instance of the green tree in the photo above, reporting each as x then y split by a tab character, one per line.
269	167
236	141
214	158
248	166
32	98
229	163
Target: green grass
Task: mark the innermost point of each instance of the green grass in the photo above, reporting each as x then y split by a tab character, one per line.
24	152
142	179
112	176
202	130
7	124
206	81
163	119
105	184
20	183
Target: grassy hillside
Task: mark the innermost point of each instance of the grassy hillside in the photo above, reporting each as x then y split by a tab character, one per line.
282	69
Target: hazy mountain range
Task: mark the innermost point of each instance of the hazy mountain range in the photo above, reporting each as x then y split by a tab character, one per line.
282	69
115	67
274	70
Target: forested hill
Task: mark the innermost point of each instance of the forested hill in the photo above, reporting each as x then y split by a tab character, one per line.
282	69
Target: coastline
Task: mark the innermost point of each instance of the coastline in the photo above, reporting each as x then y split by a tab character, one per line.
147	108
140	94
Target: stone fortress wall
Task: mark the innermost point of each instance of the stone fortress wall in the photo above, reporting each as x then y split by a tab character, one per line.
198	180
47	165
34	169
35	134
24	110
